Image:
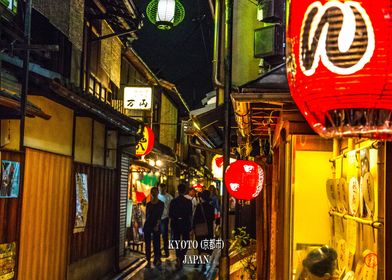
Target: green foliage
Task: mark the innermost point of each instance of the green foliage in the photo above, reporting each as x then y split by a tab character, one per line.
242	242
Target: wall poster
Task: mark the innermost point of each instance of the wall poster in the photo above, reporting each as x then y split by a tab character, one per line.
7	260
10	174
81	202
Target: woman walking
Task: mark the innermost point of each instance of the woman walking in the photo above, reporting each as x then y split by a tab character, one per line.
203	220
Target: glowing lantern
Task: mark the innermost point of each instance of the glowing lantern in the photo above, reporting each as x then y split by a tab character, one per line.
198	187
340	64
165	13
217	166
145	145
244	179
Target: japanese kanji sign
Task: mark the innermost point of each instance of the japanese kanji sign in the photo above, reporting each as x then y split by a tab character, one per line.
138	98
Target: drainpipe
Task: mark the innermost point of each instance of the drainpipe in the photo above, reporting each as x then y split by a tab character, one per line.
217	44
26	62
23	103
88	58
224	261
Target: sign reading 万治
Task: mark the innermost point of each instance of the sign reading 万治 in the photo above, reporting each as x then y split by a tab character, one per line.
137	98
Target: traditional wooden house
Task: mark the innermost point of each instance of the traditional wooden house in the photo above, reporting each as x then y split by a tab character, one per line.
66	165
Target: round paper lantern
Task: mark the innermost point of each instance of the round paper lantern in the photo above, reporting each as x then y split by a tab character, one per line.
244	179
146	143
340	64
217	166
165	13
198	187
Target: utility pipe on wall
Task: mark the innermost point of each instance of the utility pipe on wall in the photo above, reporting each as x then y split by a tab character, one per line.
26	62
224	262
217	45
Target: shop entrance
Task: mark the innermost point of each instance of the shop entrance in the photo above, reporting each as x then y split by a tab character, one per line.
337	194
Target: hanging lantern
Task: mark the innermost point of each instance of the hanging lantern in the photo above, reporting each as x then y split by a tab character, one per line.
165	13
146	143
340	64
198	187
244	179
217	166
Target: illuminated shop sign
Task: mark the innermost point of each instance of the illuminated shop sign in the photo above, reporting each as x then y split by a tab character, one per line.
137	98
339	64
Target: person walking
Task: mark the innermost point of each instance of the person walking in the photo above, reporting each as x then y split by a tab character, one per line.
191	194
180	213
154	211
215	202
203	222
166	198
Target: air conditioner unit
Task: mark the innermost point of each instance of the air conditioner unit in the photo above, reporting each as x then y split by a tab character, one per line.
271	11
269	41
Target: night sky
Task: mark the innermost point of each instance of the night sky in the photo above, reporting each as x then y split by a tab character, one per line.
183	55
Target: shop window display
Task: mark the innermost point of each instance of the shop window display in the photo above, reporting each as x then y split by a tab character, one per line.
140	184
337	209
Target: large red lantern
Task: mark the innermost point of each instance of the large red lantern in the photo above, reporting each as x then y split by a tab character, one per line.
146	143
244	179
340	64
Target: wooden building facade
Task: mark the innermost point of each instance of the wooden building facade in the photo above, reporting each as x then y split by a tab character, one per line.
65	220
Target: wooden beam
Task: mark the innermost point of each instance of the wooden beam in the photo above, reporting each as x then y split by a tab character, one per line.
255	97
31	111
100	6
264	117
293	116
300	128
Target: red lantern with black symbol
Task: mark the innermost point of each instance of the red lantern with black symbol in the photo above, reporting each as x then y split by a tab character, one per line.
340	66
146	143
244	179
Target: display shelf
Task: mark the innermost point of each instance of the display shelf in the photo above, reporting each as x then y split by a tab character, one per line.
373	145
374	224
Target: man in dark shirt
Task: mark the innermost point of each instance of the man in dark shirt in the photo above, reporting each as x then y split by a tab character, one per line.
154	212
180	213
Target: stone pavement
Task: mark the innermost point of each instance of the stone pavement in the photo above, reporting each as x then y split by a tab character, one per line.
168	271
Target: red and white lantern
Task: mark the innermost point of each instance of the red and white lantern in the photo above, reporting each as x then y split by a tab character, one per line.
217	166
340	64
244	179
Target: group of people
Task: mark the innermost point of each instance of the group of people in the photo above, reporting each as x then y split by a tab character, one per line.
183	214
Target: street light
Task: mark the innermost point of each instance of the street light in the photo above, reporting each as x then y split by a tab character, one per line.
165	13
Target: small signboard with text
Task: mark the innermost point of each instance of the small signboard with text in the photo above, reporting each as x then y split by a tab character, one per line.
137	98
